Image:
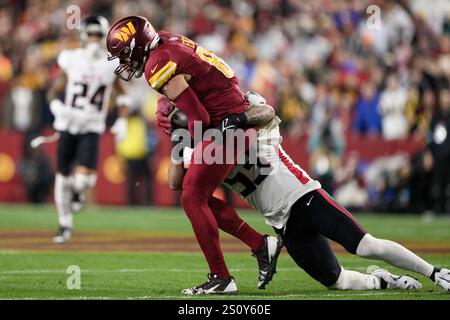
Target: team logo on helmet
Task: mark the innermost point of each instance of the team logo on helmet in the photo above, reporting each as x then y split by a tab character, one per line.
125	32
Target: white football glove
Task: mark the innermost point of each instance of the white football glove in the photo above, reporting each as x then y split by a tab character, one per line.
58	108
254	98
124	100
119	129
62	114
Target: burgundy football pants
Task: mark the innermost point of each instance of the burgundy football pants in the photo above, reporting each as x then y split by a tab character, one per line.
207	213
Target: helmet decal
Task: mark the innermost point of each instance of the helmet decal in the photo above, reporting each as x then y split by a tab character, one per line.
125	32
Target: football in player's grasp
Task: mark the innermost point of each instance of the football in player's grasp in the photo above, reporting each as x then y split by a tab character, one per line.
178	119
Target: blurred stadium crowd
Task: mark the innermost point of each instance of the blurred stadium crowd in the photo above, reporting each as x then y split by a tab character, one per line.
317	62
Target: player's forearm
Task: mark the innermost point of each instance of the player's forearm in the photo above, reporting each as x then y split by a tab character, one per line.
256	116
118	88
175	86
189	103
57	87
123	102
123	111
259	114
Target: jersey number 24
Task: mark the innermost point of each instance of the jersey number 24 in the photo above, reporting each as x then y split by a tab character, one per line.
95	100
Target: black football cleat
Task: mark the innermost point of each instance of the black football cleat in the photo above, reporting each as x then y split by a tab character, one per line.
267	258
214	285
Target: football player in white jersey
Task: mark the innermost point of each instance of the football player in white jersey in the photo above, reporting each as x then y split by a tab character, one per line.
305	216
86	80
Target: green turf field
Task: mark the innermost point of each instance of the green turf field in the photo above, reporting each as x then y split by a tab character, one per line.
132	272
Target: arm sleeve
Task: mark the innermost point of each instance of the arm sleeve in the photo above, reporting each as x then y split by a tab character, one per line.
189	103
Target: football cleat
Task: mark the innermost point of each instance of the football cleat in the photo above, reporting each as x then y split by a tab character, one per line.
267	258
392	281
77	202
442	279
214	285
62	235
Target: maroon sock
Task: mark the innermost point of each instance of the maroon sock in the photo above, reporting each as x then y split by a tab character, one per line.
229	221
206	230
250	236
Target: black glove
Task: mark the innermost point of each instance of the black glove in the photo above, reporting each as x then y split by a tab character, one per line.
232	122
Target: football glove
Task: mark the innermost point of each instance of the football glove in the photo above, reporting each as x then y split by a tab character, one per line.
58	108
61	113
163	110
232	122
254	98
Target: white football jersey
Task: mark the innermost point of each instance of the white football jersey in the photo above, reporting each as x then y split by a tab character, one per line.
275	182
88	90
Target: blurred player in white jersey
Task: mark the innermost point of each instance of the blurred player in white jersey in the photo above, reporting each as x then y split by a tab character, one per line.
305	216
86	80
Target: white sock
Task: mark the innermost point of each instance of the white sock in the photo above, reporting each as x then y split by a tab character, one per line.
353	280
84	181
392	253
63	195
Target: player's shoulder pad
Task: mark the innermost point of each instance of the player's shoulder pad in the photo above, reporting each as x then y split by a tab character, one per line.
65	58
159	68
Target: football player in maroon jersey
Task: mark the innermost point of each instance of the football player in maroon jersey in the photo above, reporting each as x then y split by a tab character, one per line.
206	89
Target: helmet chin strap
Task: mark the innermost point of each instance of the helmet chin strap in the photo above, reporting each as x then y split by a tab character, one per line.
140	71
132	45
154	42
148	48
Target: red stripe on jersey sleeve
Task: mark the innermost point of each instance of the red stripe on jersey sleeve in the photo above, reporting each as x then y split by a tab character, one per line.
292	167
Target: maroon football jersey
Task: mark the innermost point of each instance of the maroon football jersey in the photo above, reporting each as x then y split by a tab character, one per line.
213	81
